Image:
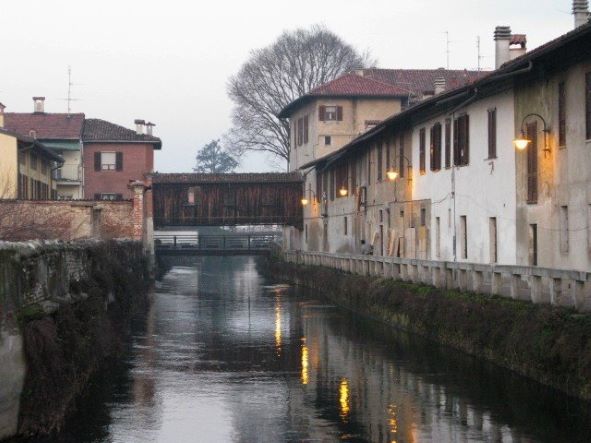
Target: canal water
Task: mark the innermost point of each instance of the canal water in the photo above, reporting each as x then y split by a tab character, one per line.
226	355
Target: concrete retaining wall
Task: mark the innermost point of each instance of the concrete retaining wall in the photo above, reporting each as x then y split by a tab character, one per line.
539	285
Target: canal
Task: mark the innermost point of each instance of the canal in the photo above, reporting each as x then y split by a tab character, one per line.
226	355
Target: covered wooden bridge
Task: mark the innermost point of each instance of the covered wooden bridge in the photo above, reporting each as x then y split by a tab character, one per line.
227	199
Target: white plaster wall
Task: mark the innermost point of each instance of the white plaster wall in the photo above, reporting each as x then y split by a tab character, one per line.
485	188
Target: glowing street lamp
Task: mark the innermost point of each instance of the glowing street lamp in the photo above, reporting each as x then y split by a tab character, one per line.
305	201
392	174
343	192
522	142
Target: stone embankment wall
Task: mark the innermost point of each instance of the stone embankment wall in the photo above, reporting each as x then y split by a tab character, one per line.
64	309
547	343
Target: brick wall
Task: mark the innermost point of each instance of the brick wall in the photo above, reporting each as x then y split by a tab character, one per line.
138	160
65	220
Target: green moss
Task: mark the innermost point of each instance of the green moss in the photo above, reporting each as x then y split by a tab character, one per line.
30	313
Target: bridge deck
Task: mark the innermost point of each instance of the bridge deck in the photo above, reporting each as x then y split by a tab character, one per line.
230	244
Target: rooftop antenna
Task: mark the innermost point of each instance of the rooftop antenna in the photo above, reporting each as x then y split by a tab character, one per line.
480	57
69	98
447	50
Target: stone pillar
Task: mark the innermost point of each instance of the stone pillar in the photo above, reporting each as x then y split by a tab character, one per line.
138	216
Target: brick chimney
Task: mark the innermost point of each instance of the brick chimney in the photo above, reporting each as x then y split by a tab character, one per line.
150	128
502	43
2	108
39	104
581	12
139	126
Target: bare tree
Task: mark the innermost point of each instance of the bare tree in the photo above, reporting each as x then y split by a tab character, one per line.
276	75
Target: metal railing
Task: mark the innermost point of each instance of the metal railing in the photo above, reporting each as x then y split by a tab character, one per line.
234	242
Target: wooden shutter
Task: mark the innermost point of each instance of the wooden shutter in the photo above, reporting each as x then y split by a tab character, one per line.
561	114
339	113
318	185
532	163
97	161
305	129
492	133
436	147
456	142
119	161
401	157
447	143
422	151
118	197
379	161
322	113
588	105
466	156
97	196
432	148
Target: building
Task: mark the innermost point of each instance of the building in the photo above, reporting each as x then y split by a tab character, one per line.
26	166
442	179
114	156
60	132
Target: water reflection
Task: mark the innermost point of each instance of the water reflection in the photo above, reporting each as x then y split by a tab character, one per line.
224	355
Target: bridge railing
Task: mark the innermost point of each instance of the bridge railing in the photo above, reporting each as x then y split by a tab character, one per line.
216	242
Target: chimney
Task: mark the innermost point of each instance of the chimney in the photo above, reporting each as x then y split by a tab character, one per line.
518	46
581	12
439	85
502	43
2	107
139	126
150	128
38	104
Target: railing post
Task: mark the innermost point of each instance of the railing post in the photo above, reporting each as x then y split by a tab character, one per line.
249	242
174	241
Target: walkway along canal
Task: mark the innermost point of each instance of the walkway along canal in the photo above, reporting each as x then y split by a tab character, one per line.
224	354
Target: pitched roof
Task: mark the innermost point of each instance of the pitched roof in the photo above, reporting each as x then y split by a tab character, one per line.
51	126
240	177
102	131
578	40
375	82
421	81
46	150
347	85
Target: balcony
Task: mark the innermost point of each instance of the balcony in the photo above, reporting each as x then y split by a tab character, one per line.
68	174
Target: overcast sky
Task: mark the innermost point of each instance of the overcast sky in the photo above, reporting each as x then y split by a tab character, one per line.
169	61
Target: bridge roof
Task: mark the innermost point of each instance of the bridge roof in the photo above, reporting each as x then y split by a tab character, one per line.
242	177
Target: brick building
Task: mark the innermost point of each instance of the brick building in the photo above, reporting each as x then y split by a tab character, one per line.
114	156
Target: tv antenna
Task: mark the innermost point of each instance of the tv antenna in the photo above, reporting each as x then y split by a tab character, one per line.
69	98
480	57
447	50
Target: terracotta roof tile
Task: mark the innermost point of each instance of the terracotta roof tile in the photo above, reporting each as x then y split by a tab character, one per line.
97	130
46	125
420	81
356	85
240	177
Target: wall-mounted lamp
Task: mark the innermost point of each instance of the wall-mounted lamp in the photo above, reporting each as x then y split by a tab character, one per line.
522	142
343	191
306	198
392	174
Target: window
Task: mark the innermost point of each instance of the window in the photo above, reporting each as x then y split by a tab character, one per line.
447	143
492	233
305	129
306	232
327	140
532	163
401	157
300	131
564	229
533	245
492	133
464	235
422	151
388	164
108	197
330	113
462	140
108	161
369	166
380	166
435	154
437	237
345	225
588	105
561	114
33	161
423	216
